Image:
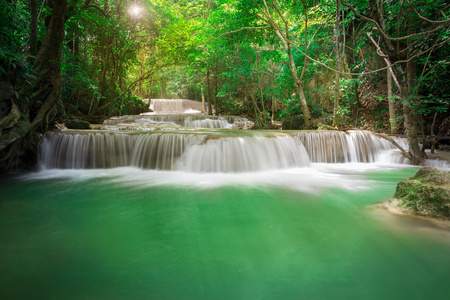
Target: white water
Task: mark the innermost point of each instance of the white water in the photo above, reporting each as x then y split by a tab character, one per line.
342	147
172	151
244	154
152	143
312	179
174	105
219	152
177	120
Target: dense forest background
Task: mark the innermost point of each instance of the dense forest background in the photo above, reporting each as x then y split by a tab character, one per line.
380	65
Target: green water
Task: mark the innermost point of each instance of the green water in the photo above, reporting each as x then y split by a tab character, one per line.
96	239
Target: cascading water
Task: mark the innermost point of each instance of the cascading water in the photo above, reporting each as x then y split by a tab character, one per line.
210	151
207	123
172	151
144	121
174	105
342	147
244	154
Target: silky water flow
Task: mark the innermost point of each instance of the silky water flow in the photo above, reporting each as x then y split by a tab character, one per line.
169	212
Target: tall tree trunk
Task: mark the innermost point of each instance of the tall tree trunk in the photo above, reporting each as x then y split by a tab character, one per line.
208	92
287	45
203	101
76	52
408	111
392	116
19	146
433	138
338	65
410	125
299	89
50	81
150	89
33	27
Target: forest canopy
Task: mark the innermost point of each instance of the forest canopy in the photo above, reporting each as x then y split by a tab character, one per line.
379	65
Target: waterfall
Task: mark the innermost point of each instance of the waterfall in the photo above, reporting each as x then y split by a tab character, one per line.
221	122
105	150
244	154
221	151
172	151
174	105
342	147
176	120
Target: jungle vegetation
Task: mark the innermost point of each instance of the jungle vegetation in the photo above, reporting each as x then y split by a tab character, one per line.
380	65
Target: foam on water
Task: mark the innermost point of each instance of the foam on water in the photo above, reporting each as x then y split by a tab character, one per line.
311	180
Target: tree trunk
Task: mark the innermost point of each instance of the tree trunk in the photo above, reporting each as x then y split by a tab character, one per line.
150	89
33	27
50	81
208	93
433	139
203	101
392	116
287	45
19	146
299	89
410	123
338	64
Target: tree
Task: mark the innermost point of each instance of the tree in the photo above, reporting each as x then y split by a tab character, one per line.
402	43
337	64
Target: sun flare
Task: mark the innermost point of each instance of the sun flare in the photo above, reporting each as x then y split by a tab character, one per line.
135	10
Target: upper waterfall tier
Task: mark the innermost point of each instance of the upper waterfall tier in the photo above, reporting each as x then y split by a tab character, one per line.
174	120
174	105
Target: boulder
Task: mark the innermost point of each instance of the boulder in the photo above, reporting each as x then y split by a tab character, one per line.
427	193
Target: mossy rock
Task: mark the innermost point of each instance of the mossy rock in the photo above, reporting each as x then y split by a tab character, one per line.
77	124
427	193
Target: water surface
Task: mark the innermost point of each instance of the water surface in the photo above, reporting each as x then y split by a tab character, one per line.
127	233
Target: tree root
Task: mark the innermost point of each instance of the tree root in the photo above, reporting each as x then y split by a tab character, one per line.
11	119
16	133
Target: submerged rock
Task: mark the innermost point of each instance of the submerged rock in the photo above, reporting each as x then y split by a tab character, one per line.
425	194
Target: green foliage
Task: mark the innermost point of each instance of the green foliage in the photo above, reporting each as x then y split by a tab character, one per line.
14	24
178	49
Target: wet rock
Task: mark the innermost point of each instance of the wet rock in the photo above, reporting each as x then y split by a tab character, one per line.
426	194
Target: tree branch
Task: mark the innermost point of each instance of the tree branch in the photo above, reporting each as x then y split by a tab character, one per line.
386	137
426	19
385	57
87	4
243	28
373	71
383	33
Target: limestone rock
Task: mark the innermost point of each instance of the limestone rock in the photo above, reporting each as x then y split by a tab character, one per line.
427	193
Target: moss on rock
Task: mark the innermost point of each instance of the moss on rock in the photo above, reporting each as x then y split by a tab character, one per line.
427	193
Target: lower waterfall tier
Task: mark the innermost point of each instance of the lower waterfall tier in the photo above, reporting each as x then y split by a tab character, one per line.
207	152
